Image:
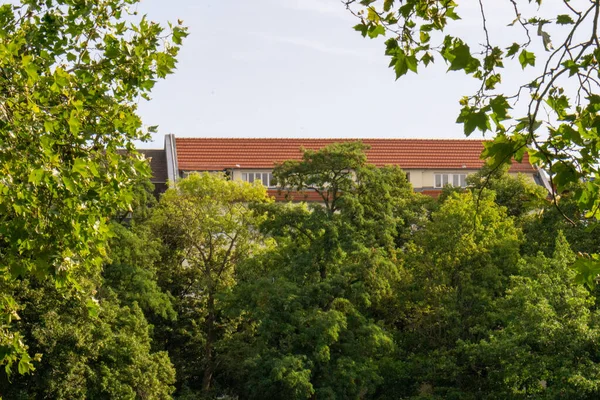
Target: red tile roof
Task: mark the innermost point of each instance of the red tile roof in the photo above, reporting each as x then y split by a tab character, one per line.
219	153
313	196
284	195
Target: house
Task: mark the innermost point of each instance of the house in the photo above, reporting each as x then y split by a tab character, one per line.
430	164
158	165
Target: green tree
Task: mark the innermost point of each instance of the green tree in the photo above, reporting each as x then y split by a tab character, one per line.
541	228
98	347
552	116
545	343
71	74
310	306
555	122
517	193
455	268
208	221
104	353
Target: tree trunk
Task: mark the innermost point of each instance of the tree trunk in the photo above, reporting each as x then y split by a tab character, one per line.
210	341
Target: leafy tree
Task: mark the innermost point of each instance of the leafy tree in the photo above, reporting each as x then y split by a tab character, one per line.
545	342
518	193
209	221
132	272
71	74
456	267
558	118
86	355
309	306
553	117
98	347
542	228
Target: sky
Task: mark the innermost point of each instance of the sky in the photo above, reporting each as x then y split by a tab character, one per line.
296	68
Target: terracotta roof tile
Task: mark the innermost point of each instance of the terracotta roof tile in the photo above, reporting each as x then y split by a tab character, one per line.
220	153
284	195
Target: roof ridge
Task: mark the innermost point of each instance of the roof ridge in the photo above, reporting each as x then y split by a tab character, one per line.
331	138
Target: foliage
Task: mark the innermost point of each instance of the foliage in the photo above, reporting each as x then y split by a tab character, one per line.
479	321
212	229
379	294
555	114
71	74
518	194
546	344
457	266
132	275
86	355
308	305
542	228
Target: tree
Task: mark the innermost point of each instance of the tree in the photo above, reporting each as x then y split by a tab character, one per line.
545	342
518	194
555	113
89	351
210	220
71	74
542	228
311	305
100	346
456	267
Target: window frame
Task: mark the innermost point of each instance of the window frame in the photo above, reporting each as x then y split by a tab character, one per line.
442	179
258	176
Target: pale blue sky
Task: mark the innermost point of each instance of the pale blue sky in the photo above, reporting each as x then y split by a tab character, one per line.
296	68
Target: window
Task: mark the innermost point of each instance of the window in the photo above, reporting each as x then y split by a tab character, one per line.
263	177
457	180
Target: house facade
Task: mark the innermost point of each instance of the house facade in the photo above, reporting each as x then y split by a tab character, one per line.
430	164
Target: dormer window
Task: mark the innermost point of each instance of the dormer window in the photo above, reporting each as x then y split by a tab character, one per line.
456	180
264	177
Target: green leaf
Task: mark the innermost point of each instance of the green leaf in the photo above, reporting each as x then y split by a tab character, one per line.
362	28
559	104
35	176
564	19
536	157
387	5
499	151
450	13
69	184
526	58
80	167
376	30
178	34
461	58
500	107
572	66
49	126
564	175
74	123
93	308
512	50
411	63
492	81
473	119
427	59
24	365
587	271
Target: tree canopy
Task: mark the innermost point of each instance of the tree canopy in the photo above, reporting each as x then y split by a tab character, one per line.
71	74
216	291
551	112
